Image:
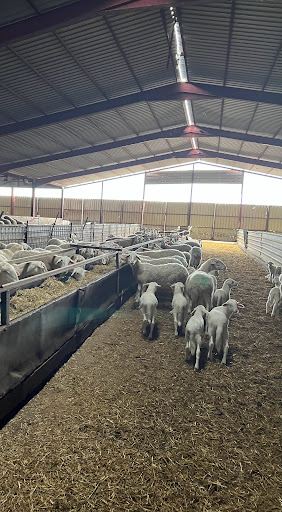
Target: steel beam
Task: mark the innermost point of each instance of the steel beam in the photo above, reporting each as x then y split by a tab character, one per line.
176	91
161	158
76	12
165	134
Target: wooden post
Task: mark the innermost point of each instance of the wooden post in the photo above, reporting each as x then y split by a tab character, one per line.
121	212
82	211
143	201
101	203
190	200
32	209
62	202
12	202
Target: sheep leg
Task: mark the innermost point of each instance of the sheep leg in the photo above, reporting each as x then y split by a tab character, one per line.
198	353
268	305
190	346
152	328
275	309
138	293
225	349
211	345
175	324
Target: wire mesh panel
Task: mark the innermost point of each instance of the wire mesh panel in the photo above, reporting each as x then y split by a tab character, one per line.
262	246
10	234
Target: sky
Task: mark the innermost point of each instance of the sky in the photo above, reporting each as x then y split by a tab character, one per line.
257	190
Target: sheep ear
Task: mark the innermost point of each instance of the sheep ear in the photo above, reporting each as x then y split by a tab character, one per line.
225	304
172	285
158	286
192	312
241	306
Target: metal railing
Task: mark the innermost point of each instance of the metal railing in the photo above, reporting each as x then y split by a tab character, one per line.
39	235
261	245
7	289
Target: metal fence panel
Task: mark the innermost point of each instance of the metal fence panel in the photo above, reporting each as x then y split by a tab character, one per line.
262	246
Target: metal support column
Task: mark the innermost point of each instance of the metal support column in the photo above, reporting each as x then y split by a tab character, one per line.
143	201
165	214
267	218
82	211
213	222
12	201
241	204
101	203
32	209
121	212
62	202
190	201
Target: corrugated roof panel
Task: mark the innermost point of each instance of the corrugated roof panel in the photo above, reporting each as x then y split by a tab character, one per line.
180	144
119	155
101	158
93	45
207	112
257	34
252	149
229	146
139	117
85	128
15	107
48	56
112	123
47	5
80	163
209	143
15	10
25	82
43	138
65	137
237	114
19	148
169	113
158	147
267	119
139	150
273	153
143	39
275	82
206	30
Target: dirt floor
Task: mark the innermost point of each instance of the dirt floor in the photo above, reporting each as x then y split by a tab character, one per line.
127	425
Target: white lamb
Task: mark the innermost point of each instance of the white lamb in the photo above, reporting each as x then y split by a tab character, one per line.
7	273
274	298
221	295
161	261
148	307
179	307
164	253
166	274
78	273
195	328
217	327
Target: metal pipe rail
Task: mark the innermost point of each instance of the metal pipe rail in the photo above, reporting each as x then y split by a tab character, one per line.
261	245
6	289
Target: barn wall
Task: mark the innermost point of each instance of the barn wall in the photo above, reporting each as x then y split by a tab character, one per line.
209	221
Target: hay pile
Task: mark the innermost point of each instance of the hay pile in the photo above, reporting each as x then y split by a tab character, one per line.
127	426
27	300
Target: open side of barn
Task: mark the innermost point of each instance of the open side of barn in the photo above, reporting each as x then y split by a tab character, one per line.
126	425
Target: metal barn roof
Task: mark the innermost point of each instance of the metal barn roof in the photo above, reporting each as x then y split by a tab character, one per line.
89	90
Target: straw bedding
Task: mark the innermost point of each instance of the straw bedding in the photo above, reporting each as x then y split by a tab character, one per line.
127	426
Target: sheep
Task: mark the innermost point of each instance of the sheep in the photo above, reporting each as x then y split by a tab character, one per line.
193	334
223	294
271	271
163	253
13	246
61	261
158	261
148	307
86	252
78	273
24	254
217	327
166	274
2	245
214	274
77	258
7	274
30	268
179	307
199	287
196	257
55	241
274	297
